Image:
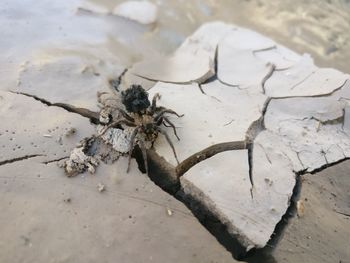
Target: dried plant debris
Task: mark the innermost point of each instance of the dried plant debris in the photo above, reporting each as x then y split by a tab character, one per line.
300	208
101	187
119	139
87	156
79	161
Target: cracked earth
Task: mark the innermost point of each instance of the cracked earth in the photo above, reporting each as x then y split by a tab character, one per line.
262	126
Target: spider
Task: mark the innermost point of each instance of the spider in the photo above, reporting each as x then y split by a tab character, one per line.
147	119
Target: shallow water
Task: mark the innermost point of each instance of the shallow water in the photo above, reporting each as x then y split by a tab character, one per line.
38	29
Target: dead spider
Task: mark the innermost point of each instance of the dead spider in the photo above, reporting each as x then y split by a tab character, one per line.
146	118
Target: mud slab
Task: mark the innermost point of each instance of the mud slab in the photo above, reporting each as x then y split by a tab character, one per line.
48	217
290	116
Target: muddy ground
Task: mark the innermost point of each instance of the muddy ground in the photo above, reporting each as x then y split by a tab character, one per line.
47	217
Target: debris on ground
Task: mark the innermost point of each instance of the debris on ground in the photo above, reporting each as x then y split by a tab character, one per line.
300	208
79	162
101	187
169	212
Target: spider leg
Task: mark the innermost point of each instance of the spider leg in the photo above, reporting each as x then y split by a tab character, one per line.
166	125
165	119
132	143
154	102
125	115
144	155
170	143
159	108
114	124
162	112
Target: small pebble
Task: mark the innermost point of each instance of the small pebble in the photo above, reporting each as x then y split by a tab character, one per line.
101	187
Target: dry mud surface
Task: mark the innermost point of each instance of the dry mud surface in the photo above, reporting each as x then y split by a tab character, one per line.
263	149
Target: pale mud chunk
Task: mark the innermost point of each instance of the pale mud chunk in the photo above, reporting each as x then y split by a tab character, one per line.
280	56
273	140
80	162
311	127
69	79
226	94
193	61
304	79
221	183
144	12
272	196
118	138
88	154
25	121
181	67
282	82
322	82
104	117
246	39
206	37
344	92
240	67
316	143
323	109
208	119
91	220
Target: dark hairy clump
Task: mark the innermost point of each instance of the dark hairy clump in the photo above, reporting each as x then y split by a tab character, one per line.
135	99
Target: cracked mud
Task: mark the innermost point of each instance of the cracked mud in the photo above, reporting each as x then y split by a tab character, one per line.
258	116
272	128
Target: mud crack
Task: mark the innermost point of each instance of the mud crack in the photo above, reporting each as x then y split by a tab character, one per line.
91	115
25	157
55	160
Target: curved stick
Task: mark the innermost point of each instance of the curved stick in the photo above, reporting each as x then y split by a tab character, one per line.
185	165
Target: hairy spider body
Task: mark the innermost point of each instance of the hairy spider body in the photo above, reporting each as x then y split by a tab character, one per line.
146	117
